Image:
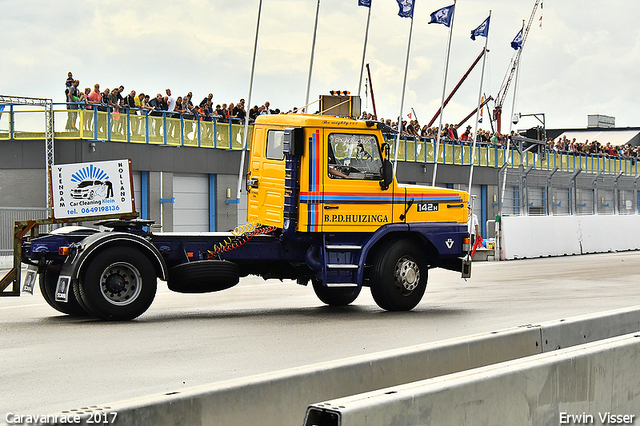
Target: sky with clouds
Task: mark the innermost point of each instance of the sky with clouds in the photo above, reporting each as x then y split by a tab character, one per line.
584	59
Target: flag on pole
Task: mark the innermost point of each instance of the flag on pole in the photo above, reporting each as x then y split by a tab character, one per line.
406	8
482	30
442	16
481	109
365	3
517	41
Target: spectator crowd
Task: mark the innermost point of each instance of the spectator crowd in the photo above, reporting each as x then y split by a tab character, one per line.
451	134
116	101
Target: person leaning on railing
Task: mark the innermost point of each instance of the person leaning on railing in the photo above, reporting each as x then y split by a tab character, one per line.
253	113
239	111
158	106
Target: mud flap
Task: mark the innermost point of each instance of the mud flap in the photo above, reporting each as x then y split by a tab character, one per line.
30	279
466	267
62	289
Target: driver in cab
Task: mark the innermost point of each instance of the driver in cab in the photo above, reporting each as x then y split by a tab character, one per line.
332	166
337	173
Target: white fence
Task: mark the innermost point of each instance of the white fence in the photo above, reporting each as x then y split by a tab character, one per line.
8	217
535	236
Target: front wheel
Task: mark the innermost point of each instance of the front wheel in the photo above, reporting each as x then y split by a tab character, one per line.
335	296
119	284
399	276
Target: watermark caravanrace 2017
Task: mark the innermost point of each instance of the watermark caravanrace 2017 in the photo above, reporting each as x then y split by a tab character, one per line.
98	418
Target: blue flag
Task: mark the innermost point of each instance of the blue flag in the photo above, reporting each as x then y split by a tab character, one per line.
517	42
406	8
443	16
366	3
482	30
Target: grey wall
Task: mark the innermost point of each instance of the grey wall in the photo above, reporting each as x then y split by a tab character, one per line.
23	188
30	154
415	172
226	214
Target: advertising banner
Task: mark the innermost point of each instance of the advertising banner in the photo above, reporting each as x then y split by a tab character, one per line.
92	189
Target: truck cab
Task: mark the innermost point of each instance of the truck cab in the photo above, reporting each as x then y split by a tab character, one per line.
329	180
341	167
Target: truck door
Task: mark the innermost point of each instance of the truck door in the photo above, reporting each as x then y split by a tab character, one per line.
352	198
265	181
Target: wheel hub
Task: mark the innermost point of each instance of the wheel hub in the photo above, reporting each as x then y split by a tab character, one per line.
407	274
115	283
120	283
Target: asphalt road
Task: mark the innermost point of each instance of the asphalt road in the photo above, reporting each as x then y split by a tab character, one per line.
51	362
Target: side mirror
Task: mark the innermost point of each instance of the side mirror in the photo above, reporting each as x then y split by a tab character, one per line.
294	139
387	174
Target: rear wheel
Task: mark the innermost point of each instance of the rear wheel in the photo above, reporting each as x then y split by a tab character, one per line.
399	276
48	281
119	284
335	296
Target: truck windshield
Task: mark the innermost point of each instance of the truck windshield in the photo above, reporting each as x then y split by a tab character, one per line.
356	156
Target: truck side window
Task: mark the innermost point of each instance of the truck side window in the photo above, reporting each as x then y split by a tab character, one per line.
354	157
274	145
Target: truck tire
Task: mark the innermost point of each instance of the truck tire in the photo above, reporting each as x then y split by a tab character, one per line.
203	276
48	281
399	276
118	284
78	295
335	296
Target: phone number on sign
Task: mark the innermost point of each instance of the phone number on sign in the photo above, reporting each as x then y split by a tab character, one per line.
100	209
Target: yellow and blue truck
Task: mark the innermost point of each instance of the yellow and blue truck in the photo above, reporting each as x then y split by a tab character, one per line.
323	206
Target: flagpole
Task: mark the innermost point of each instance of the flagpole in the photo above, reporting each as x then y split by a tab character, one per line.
313	49
444	87
364	50
246	118
513	105
515	88
404	85
414	114
475	131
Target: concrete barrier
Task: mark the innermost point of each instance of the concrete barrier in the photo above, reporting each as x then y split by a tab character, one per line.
535	236
586	384
281	398
582	329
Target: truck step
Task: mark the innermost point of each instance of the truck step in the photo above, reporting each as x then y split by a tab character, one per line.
341	266
342	247
335	285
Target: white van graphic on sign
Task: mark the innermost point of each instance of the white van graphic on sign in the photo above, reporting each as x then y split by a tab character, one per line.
90	189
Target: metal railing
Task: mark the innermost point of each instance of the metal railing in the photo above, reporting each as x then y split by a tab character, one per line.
422	150
129	125
164	128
